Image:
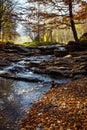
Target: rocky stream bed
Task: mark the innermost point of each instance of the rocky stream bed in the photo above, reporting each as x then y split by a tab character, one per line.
26	73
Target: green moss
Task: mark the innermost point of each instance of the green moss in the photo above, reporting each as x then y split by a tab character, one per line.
30	43
35	43
83	37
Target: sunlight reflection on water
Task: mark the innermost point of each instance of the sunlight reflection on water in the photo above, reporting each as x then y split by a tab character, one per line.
28	92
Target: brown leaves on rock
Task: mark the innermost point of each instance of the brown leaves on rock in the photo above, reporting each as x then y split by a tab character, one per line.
62	108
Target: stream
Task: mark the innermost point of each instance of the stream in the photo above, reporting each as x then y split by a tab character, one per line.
16	95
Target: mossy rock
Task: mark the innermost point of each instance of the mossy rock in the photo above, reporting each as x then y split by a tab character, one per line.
59	53
83	37
76	46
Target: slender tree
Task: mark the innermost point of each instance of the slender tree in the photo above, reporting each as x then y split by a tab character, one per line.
59	14
7	16
70	4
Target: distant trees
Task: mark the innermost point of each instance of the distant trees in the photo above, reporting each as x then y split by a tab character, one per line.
73	7
44	16
70	6
39	20
7	19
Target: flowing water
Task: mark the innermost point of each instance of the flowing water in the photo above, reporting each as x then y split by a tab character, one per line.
16	96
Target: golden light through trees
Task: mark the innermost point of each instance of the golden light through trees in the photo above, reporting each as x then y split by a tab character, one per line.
43	17
59	14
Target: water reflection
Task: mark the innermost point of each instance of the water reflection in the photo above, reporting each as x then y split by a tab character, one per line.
28	92
9	106
16	96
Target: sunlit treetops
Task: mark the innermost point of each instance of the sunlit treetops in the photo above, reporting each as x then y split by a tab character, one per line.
8	18
42	15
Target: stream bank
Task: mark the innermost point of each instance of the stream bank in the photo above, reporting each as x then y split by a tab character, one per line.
26	74
62	108
22	82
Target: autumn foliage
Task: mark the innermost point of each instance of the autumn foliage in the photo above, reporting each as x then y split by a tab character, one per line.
63	108
48	15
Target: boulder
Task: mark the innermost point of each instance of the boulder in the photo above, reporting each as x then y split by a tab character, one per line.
19	78
76	46
55	72
83	37
60	53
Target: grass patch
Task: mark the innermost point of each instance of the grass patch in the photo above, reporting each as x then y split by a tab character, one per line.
34	43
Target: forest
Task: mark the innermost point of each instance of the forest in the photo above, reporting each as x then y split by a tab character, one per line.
43	65
44	21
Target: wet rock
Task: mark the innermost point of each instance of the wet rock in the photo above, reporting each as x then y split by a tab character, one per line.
38	71
49	50
2	45
26	53
14	77
30	79
55	72
16	69
9	45
2	72
79	72
72	46
35	63
46	50
53	84
36	51
68	56
67	73
5	74
81	58
4	63
82	67
62	63
14	59
60	53
77	46
10	50
21	49
77	77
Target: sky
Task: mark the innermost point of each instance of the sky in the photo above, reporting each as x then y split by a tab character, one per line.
20	27
23	37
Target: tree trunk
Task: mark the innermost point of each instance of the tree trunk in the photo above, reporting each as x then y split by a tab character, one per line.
72	22
0	31
38	23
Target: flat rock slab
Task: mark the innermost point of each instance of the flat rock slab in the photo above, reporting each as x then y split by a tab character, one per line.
27	79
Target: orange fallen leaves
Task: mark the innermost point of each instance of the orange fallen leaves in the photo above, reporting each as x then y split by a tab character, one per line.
62	108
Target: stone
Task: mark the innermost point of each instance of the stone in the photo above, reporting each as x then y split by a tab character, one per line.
55	72
60	53
38	71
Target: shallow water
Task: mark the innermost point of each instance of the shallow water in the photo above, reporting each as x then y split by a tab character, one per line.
16	96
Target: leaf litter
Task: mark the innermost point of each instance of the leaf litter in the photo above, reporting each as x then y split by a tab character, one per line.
64	107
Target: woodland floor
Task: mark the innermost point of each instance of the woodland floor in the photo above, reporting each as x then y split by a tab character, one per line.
62	108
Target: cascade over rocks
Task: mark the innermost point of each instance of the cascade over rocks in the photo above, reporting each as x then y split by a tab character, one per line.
62	62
